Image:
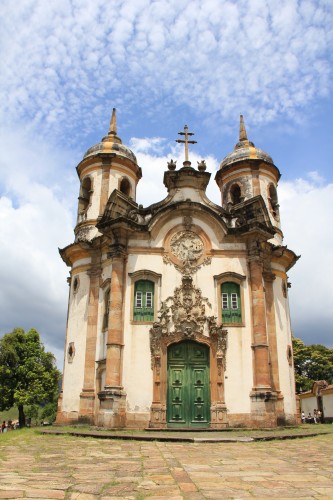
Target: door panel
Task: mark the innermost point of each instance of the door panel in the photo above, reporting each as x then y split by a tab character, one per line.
188	401
177	384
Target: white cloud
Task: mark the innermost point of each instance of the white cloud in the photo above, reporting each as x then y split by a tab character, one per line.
147	144
36	217
306	218
266	58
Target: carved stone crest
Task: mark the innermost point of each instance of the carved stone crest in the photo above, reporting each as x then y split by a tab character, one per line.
186	246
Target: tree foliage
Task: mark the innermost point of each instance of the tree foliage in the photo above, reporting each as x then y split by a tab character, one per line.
28	374
312	362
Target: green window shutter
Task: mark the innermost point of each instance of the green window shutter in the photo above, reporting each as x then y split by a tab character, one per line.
144	301
231	306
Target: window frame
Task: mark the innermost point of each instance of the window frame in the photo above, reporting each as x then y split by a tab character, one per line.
144	275
142	290
237	279
233	311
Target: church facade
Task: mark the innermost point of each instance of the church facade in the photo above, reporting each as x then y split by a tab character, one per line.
178	312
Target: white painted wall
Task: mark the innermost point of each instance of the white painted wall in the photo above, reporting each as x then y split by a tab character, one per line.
77	330
308	405
283	336
328	405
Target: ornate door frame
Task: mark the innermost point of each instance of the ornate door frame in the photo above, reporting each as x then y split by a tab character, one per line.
184	317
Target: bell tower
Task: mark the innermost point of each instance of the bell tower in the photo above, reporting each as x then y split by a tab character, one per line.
247	172
106	166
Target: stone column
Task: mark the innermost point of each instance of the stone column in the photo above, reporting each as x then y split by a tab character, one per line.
263	399
262	379
87	396
113	396
269	278
158	351
218	410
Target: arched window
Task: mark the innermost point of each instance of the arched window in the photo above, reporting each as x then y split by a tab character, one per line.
235	194
125	186
231	303
85	194
273	200
144	300
106	309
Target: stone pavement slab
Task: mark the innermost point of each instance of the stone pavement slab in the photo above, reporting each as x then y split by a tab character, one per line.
66	467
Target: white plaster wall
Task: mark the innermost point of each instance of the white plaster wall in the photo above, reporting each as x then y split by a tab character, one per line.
239	366
137	373
308	405
77	330
283	335
328	405
138	377
81	262
188	193
101	335
93	210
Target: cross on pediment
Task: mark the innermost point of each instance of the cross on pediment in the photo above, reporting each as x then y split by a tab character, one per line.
186	141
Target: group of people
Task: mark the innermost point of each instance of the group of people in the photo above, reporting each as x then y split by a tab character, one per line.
9	426
316	418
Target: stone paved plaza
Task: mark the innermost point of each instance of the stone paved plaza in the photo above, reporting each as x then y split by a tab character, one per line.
37	466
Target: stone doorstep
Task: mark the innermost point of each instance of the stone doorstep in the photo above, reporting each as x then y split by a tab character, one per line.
183	438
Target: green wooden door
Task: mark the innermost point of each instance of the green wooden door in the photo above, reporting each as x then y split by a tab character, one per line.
188	400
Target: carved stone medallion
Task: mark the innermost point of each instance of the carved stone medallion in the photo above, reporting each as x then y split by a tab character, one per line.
187	246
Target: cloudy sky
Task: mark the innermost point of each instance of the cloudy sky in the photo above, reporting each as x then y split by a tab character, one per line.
163	64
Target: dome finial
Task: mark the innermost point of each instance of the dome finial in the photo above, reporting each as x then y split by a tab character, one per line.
242	130
113	123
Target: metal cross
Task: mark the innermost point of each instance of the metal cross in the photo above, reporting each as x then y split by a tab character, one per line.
186	133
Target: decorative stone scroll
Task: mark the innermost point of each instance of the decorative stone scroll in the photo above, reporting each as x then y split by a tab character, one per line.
183	316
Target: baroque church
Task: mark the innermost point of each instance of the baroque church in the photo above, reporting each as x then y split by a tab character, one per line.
178	312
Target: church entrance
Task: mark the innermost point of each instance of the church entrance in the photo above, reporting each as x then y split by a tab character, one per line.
188	396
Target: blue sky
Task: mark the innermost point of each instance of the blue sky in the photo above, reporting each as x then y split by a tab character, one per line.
163	64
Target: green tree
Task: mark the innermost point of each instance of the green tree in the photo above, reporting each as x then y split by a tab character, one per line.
312	362
28	375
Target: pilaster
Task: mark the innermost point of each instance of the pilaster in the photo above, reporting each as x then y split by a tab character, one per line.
87	396
261	379
113	397
269	278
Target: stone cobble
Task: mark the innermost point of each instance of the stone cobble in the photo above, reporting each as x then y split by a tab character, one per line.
64	467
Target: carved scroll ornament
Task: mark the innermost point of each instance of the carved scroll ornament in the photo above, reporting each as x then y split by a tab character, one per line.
184	316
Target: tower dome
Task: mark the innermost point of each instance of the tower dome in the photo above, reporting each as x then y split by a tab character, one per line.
245	150
248	172
111	143
107	166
